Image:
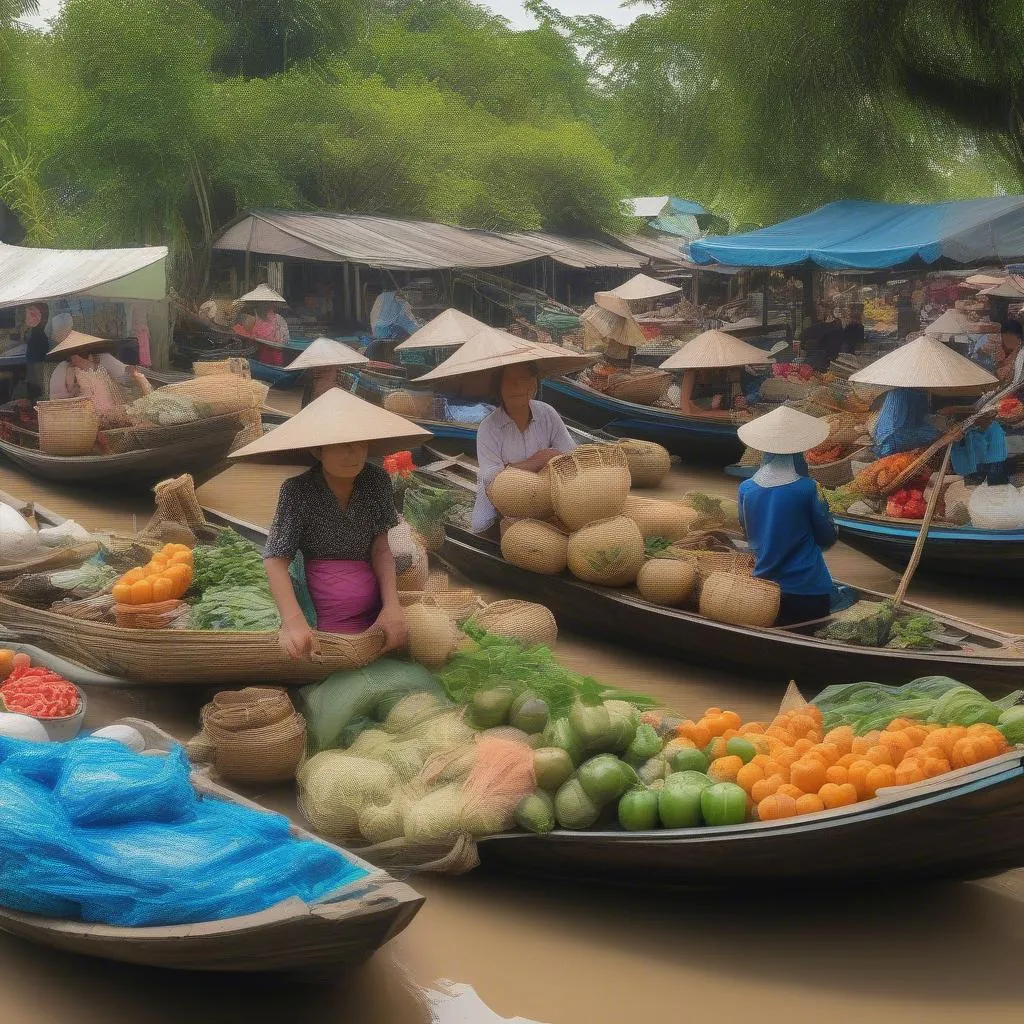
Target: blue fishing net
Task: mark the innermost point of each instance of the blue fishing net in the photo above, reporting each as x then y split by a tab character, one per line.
133	865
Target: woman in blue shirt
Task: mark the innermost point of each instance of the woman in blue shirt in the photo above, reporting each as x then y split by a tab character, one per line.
786	522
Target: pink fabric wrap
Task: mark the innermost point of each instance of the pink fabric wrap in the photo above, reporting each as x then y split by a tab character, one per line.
346	595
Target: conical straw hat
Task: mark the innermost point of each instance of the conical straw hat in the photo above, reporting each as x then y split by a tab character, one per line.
263	293
337	417
612	325
984	280
715	350
1004	290
783	431
79	343
643	287
923	363
326	352
951	324
447	330
469	369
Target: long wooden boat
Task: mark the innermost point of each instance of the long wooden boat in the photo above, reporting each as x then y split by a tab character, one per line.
693	438
962	550
987	659
293	936
963	825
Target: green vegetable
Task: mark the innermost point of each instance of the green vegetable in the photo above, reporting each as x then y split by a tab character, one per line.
231	561
653	546
246	608
560	734
624	718
653	770
552	766
646	744
679	803
573	808
695	778
604	778
737	746
489	708
529	713
689	759
963	705
724	803
593	725
85	580
638	809
536	813
1011	724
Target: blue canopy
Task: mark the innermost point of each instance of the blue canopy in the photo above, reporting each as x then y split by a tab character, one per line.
856	235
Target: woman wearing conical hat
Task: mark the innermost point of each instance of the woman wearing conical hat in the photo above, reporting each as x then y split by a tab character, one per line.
264	323
80	352
336	516
785	520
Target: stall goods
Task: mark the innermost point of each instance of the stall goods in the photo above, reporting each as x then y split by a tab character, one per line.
649	463
535	546
35	690
166	577
589	483
608	552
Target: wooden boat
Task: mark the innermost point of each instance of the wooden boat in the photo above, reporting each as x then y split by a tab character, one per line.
696	438
988	659
963	825
740	472
963	550
293	936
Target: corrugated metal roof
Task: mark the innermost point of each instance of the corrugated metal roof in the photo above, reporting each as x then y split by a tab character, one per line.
663	248
581	253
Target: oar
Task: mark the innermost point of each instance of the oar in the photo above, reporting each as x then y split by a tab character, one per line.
929	514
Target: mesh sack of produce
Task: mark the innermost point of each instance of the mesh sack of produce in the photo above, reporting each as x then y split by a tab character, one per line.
999	507
713	512
609	552
425	508
219	394
519	494
589	483
433	636
529	623
649	463
67	426
740	600
110	398
216	367
655	518
537	547
666	581
162	408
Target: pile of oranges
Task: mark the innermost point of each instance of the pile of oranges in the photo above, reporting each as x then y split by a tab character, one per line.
799	769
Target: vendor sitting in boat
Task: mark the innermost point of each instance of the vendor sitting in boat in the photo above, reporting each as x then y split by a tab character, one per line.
337	516
82	352
903	422
711	393
786	522
264	323
319	366
1010	354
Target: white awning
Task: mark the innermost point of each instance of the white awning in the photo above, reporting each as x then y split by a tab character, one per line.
40	275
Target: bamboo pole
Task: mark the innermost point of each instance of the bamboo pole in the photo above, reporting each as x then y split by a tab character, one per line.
929	514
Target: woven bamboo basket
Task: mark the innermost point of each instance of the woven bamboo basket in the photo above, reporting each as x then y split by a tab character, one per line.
251	428
707	562
643	386
67	426
250	708
666	581
268	753
655	518
528	623
415	577
409	403
589	483
183	656
535	546
724	517
518	494
740	600
219	394
214	367
835	474
751	457
609	552
433	636
176	502
844	428
649	463
146	436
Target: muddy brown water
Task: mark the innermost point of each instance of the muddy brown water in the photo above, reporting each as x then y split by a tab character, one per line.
583	954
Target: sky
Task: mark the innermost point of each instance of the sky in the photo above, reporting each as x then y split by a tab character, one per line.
510	9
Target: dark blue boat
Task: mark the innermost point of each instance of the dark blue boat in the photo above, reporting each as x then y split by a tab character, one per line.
740	472
693	438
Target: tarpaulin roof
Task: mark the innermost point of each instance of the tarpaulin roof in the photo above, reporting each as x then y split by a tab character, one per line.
856	235
38	275
662	248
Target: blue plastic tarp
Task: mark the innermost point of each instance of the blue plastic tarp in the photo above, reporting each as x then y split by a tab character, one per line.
856	235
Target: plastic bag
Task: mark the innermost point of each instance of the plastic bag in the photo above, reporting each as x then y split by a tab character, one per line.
996	508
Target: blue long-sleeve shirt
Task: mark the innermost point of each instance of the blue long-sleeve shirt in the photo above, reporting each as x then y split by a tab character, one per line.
788	526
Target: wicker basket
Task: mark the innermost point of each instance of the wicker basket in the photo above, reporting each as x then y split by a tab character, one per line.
740	600
707	562
641	386
535	546
67	426
844	428
235	365
649	463
219	394
251	707
409	403
751	458
433	636
519	494
589	483
268	753
835	474
529	623
609	552
666	581
655	518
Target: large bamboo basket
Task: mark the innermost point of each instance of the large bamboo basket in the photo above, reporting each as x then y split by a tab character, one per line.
608	553
529	623
643	385
589	483
519	494
649	463
67	426
182	656
666	519
666	581
535	546
740	600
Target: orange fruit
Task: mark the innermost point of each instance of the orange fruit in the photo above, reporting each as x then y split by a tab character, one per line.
897	742
717	748
776	806
749	727
748	775
809	803
725	769
696	732
969	750
786	789
801	725
917	733
848	759
766	787
833	795
760	759
782	734
758	741
858	774
880	755
936	766
879	777
910	772
802	745
862	744
837	774
712	711
807	774
842	737
715	724
732	720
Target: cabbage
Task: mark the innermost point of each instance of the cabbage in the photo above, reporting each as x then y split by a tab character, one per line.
963	705
1011	724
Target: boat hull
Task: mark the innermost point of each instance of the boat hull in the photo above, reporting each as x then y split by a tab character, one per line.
966	825
770	654
691	438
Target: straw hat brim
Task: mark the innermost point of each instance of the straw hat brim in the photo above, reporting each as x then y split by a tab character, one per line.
337	417
925	363
263	293
449	329
640	286
784	431
951	324
325	352
77	343
715	350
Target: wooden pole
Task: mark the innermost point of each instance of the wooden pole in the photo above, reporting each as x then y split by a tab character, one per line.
929	514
